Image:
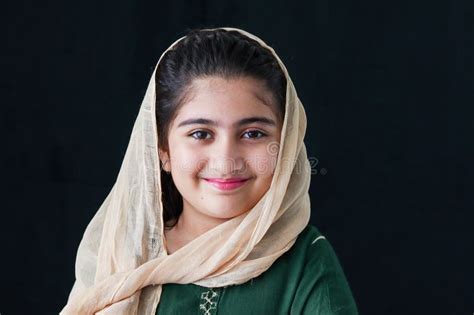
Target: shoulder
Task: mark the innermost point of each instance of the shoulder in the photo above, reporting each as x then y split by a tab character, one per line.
316	248
309	235
311	245
323	287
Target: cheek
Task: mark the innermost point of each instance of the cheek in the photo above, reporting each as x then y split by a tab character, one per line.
263	163
185	160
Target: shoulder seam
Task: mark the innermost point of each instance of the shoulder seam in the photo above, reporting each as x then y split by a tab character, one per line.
317	239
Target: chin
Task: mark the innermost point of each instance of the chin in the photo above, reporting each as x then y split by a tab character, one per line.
224	214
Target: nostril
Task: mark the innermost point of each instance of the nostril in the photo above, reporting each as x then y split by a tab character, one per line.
227	165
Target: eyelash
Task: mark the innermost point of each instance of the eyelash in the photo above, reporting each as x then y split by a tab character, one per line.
262	134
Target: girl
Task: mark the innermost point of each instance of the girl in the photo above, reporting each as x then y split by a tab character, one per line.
210	209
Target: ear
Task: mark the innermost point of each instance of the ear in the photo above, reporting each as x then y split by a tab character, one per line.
165	160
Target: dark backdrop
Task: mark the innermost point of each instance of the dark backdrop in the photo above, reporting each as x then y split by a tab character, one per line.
388	91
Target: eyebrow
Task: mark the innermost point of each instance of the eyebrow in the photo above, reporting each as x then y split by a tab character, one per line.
242	122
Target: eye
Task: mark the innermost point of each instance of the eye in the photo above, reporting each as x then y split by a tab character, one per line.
200	135
254	134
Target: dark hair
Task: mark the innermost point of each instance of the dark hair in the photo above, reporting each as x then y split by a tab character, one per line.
204	53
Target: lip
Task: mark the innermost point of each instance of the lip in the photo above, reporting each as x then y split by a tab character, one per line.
227	184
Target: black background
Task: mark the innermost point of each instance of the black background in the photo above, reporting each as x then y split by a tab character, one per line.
388	90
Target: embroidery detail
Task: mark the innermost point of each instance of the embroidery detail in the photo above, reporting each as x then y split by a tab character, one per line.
317	239
208	301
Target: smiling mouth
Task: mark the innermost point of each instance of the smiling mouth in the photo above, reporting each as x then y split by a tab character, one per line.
226	184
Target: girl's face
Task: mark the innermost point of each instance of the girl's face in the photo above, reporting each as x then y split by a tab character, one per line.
223	146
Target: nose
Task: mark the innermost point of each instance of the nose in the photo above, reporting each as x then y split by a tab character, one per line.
226	157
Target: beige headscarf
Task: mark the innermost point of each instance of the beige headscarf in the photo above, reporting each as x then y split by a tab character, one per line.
122	261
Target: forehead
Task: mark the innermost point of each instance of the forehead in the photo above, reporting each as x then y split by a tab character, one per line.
228	99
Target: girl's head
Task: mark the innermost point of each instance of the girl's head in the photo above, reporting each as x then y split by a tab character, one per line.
220	109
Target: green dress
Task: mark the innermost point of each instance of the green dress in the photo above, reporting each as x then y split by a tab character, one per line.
308	279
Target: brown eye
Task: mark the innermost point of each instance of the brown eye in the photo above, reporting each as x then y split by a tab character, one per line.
254	134
200	135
